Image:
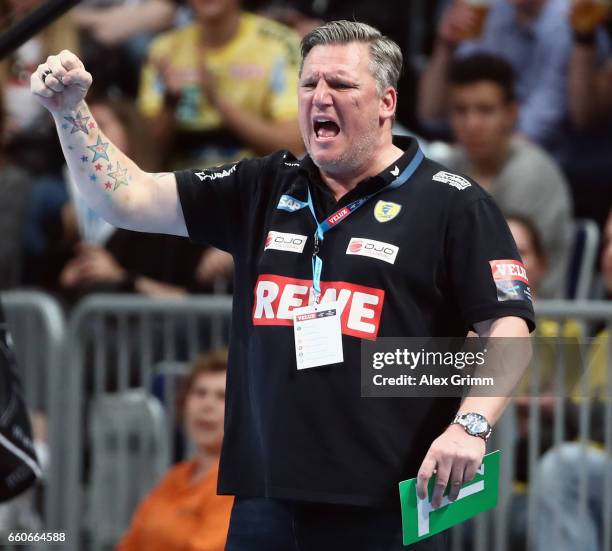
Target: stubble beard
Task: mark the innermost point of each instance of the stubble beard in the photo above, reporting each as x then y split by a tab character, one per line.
352	158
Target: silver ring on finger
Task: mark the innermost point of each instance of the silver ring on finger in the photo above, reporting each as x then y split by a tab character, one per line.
45	74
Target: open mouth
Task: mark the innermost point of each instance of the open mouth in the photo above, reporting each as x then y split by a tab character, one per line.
325	129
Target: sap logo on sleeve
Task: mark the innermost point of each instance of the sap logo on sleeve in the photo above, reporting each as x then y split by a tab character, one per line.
374	249
451	179
207	175
385	211
290	204
288	242
510	277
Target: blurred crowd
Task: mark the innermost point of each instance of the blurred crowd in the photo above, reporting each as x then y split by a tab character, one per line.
514	93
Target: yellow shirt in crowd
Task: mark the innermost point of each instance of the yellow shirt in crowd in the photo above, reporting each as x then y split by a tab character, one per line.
257	70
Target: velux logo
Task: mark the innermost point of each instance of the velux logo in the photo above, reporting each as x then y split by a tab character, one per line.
508	270
334	219
288	242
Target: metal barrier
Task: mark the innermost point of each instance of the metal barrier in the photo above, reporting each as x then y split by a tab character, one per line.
518	505
589	313
37	326
117	343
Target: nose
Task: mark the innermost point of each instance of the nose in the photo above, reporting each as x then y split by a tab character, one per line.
472	120
322	94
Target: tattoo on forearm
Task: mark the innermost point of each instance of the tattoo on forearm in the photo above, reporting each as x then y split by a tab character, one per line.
120	177
99	150
79	123
111	175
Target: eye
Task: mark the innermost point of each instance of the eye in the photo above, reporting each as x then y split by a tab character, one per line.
342	85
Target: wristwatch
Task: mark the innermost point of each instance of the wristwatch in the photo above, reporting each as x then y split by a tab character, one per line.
474	424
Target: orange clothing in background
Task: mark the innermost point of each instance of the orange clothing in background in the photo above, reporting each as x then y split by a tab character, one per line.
181	514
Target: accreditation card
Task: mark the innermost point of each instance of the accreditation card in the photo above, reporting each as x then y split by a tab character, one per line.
318	335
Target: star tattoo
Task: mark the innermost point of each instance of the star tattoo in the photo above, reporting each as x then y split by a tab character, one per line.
120	177
108	185
84	158
92	177
98	167
79	123
92	125
99	150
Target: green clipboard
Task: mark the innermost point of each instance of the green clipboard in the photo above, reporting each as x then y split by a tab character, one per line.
420	521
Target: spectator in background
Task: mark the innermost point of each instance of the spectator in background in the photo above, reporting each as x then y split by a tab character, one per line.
590	72
585	154
29	137
223	87
522	178
29	132
184	512
562	524
14	194
532	35
115	37
529	245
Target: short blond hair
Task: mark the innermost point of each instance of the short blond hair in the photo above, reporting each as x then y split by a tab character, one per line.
385	55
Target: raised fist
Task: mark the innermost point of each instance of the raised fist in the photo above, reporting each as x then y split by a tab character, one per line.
61	83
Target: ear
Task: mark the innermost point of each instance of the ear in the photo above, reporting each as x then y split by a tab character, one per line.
513	113
388	104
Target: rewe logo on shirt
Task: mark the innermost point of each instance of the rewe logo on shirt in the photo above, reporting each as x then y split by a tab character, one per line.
275	297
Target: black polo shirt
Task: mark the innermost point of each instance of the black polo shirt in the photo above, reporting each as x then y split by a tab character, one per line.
417	260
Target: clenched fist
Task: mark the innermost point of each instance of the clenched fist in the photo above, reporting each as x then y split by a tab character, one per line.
61	83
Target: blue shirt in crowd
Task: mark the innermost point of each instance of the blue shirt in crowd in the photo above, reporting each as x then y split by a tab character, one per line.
539	53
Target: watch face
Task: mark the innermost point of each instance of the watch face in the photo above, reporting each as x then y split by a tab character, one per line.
476	423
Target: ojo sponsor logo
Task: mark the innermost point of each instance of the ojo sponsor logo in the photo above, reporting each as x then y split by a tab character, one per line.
288	242
374	249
